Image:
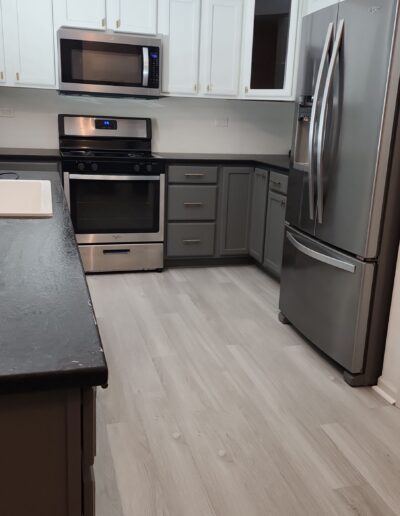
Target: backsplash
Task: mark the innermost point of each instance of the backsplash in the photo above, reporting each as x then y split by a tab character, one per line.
179	124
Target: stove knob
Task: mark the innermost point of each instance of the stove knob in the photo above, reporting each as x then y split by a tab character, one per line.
136	168
81	167
94	167
149	168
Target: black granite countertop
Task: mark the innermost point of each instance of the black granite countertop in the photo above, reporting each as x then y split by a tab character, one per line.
48	334
15	154
277	161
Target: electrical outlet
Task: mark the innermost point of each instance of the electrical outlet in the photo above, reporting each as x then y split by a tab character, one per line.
222	122
7	112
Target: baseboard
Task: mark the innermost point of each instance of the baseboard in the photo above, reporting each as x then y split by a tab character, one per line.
386	392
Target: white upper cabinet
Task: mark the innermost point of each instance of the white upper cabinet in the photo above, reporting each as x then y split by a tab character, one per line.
271	29
89	14
311	6
181	47
2	58
29	43
136	16
222	44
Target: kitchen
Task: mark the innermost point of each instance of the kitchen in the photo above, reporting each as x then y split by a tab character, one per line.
218	169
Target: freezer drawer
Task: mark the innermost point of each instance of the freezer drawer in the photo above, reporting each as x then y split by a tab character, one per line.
326	295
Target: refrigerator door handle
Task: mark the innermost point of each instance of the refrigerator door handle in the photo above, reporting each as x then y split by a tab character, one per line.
313	119
323	120
329	260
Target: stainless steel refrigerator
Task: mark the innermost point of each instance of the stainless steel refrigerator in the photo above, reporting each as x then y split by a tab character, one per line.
342	219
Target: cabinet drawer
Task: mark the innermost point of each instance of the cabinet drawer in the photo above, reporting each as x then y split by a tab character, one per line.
191	202
190	239
278	182
192	174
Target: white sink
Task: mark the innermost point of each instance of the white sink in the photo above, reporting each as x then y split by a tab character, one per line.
25	198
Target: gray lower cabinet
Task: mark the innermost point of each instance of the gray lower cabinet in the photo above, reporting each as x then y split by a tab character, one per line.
274	232
190	239
234	214
47	452
258	214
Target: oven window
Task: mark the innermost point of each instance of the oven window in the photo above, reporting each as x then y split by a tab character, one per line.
99	206
93	62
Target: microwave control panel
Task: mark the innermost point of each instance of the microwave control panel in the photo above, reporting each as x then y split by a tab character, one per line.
154	65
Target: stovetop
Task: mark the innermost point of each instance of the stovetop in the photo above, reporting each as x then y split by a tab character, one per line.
101	154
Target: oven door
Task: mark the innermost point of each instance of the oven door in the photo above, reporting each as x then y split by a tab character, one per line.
116	208
117	64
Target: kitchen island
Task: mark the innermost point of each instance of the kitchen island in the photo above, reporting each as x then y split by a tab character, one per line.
51	360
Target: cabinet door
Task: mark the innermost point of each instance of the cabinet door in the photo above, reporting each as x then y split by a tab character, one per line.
311	6
181	47
234	213
137	16
222	34
271	32
29	43
274	233
2	60
258	214
87	14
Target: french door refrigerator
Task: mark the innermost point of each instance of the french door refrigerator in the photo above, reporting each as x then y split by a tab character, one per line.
342	213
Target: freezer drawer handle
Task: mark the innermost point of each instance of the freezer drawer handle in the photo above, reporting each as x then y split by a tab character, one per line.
339	264
116	251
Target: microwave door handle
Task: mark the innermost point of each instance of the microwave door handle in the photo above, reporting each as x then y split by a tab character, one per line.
323	120
317	93
145	82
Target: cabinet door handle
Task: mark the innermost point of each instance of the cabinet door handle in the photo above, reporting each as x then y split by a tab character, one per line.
246	90
193	204
283	203
194	174
17	76
1	76
191	241
103	22
118	24
194	87
208	87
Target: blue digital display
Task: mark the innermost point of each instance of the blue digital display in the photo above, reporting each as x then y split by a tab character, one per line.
105	124
154	55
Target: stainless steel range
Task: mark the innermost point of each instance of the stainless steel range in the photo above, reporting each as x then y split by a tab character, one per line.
115	189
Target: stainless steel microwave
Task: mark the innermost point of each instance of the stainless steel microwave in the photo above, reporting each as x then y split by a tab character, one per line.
107	63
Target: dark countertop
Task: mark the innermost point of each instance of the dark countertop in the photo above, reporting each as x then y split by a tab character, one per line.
278	161
10	154
48	334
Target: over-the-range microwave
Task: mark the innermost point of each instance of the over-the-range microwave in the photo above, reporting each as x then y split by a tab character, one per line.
109	63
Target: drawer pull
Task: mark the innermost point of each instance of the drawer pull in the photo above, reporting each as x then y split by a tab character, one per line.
116	251
193	204
191	241
193	174
277	183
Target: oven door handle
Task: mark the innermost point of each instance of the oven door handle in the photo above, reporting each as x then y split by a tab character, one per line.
108	177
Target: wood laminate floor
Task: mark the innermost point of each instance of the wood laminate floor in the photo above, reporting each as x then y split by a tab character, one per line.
214	408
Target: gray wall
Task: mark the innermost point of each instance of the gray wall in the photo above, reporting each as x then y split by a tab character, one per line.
179	124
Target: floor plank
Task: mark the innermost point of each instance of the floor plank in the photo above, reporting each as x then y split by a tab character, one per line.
214	408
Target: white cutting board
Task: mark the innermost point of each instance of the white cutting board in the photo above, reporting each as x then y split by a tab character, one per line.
25	198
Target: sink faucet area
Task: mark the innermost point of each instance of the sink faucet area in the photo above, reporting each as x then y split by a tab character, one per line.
25	198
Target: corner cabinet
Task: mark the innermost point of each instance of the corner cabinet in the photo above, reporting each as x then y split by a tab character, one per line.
258	214
222	43
271	31
88	14
29	43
